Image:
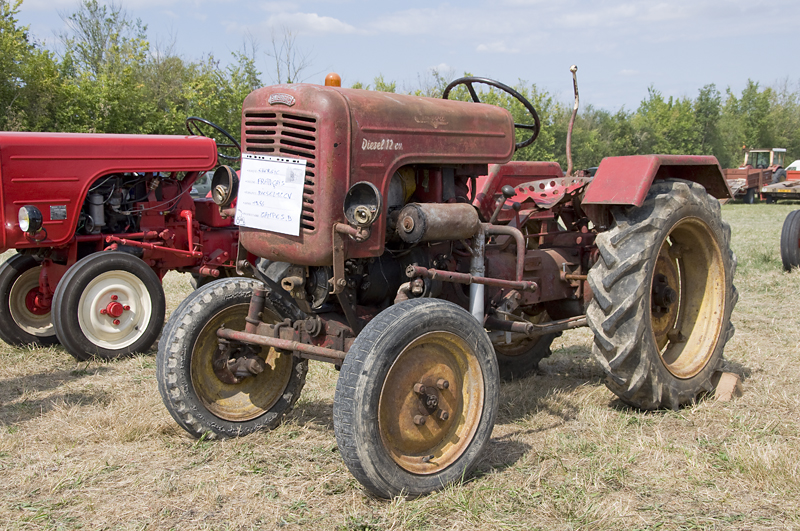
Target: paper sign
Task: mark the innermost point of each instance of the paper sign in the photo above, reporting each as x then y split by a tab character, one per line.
271	193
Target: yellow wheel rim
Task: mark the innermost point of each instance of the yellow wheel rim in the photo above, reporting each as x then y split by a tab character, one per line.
248	399
431	360
686	325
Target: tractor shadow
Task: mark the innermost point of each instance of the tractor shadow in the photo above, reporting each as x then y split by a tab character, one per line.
20	400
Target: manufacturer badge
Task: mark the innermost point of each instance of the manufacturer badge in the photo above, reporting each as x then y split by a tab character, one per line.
284	99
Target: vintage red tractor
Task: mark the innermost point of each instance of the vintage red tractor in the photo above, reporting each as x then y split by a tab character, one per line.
405	249
67	197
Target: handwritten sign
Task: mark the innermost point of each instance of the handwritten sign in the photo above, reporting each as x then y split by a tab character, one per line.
271	193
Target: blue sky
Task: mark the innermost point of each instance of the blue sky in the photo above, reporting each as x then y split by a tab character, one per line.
621	47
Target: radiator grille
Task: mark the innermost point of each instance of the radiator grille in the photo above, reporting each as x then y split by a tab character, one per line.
290	134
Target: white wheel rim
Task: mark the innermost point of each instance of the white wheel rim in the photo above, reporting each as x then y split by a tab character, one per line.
26	320
131	293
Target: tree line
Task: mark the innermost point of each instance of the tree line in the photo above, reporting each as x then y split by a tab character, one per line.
108	77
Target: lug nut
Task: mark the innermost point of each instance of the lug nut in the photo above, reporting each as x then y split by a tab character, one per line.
419	388
126	308
116	321
114	297
419	420
103	311
442	384
443	415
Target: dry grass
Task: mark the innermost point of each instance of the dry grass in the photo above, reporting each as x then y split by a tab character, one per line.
91	446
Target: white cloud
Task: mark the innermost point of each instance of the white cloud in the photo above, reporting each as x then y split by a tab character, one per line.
310	23
496	47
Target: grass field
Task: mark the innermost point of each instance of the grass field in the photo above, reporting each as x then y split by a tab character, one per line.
91	446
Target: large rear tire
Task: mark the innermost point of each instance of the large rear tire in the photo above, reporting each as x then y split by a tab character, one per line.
790	241
416	399
22	320
193	393
663	296
108	305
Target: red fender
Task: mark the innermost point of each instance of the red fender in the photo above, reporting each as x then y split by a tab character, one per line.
626	180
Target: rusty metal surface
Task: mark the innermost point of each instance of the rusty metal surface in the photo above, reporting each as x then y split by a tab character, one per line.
547	193
514	174
431	403
465	278
427	222
626	180
519	239
360	136
282	344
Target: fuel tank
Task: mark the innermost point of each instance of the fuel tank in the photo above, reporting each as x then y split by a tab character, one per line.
350	135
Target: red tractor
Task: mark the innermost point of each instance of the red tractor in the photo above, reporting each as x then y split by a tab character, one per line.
97	221
403	247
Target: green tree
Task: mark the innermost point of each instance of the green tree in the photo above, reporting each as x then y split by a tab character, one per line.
30	82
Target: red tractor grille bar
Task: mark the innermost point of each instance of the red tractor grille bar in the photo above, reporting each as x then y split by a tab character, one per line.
287	134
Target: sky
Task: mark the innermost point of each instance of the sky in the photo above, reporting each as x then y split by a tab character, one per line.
620	47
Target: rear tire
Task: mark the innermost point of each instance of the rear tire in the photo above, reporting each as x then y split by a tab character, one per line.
108	305
21	321
376	409
750	196
663	296
790	241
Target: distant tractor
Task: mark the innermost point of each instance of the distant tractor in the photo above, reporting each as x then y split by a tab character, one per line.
761	167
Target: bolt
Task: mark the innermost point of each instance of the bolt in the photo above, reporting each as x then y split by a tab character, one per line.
419	420
427	458
443	415
103	311
126	308
341	282
114	297
419	388
442	384
116	321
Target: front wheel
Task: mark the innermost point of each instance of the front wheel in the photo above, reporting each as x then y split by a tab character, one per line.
25	317
416	399
108	304
790	241
663	296
194	379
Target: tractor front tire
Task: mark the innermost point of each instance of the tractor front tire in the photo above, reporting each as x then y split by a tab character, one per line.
108	305
663	296
416	398
198	400
790	241
22	322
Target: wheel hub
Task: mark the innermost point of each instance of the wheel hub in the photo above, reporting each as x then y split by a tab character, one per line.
430	403
687	298
36	304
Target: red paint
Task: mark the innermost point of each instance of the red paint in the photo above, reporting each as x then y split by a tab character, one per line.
626	180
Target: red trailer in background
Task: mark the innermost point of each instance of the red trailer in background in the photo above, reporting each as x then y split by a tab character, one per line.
98	220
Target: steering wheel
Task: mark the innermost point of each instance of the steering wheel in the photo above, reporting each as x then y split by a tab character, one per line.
468	81
193	124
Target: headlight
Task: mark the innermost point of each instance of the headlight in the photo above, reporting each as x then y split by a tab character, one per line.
30	219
